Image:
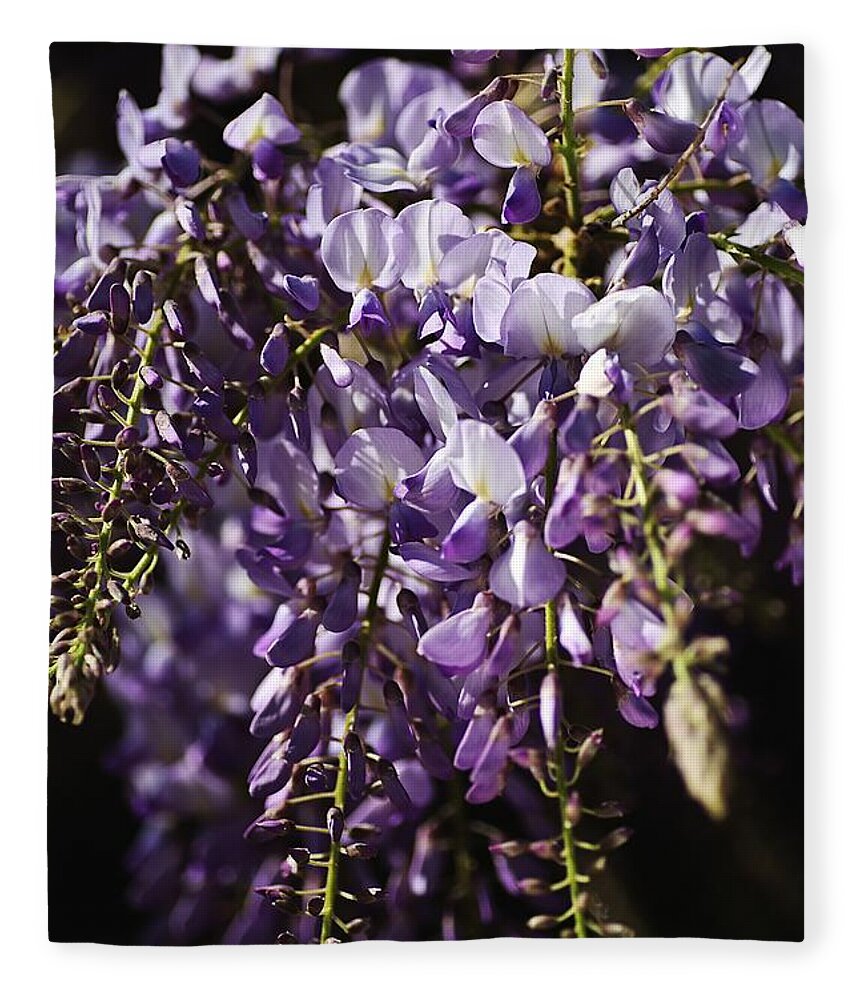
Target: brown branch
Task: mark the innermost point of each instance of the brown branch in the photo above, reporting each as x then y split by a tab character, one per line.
685	157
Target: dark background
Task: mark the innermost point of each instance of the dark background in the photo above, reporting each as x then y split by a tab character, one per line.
680	875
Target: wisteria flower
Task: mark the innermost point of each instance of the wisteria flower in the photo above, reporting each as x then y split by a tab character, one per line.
505	136
260	131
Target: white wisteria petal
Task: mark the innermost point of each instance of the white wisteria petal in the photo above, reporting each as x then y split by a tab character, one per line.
363	249
432	227
593	380
435	403
484	463
505	136
538	321
637	323
372	462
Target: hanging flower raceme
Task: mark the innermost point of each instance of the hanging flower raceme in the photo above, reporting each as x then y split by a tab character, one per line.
472	489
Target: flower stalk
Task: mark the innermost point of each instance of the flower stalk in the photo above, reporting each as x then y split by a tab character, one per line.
328	915
568	148
553	664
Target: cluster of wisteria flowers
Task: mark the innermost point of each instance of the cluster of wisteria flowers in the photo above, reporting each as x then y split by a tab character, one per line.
426	425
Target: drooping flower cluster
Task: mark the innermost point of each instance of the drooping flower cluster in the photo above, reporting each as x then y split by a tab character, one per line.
479	378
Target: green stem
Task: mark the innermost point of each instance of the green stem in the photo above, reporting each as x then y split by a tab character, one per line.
674	649
100	563
463	892
340	789
746	255
568	144
553	664
305	348
649	522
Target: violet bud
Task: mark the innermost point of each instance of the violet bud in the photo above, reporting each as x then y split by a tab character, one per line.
662	132
549	83
202	369
542	922
351	670
392	786
127	438
189	219
90	462
151	378
726	128
533	887
433	756
282	897
181	162
264	829
462	119
166	429
173	318
299	857
306	732
299	418
96	324
341	373
276	351
147	534
106	398
397	714
342	609
120	548
252	225
119	374
334	822
304	290
120	308
114	274
141	297
207	282
356	770
510	848
410	607
597	65
316	779
296	642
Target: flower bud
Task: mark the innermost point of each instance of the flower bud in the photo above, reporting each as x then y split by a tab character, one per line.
173	318
120	308
334	822
542	922
351	675
141	297
276	351
533	887
615	839
587	751
392	786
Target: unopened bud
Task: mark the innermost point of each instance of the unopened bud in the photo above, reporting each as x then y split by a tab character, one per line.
588	751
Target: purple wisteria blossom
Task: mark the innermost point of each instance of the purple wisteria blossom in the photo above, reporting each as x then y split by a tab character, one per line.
413	466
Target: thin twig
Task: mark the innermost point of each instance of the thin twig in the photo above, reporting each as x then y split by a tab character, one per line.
685	157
